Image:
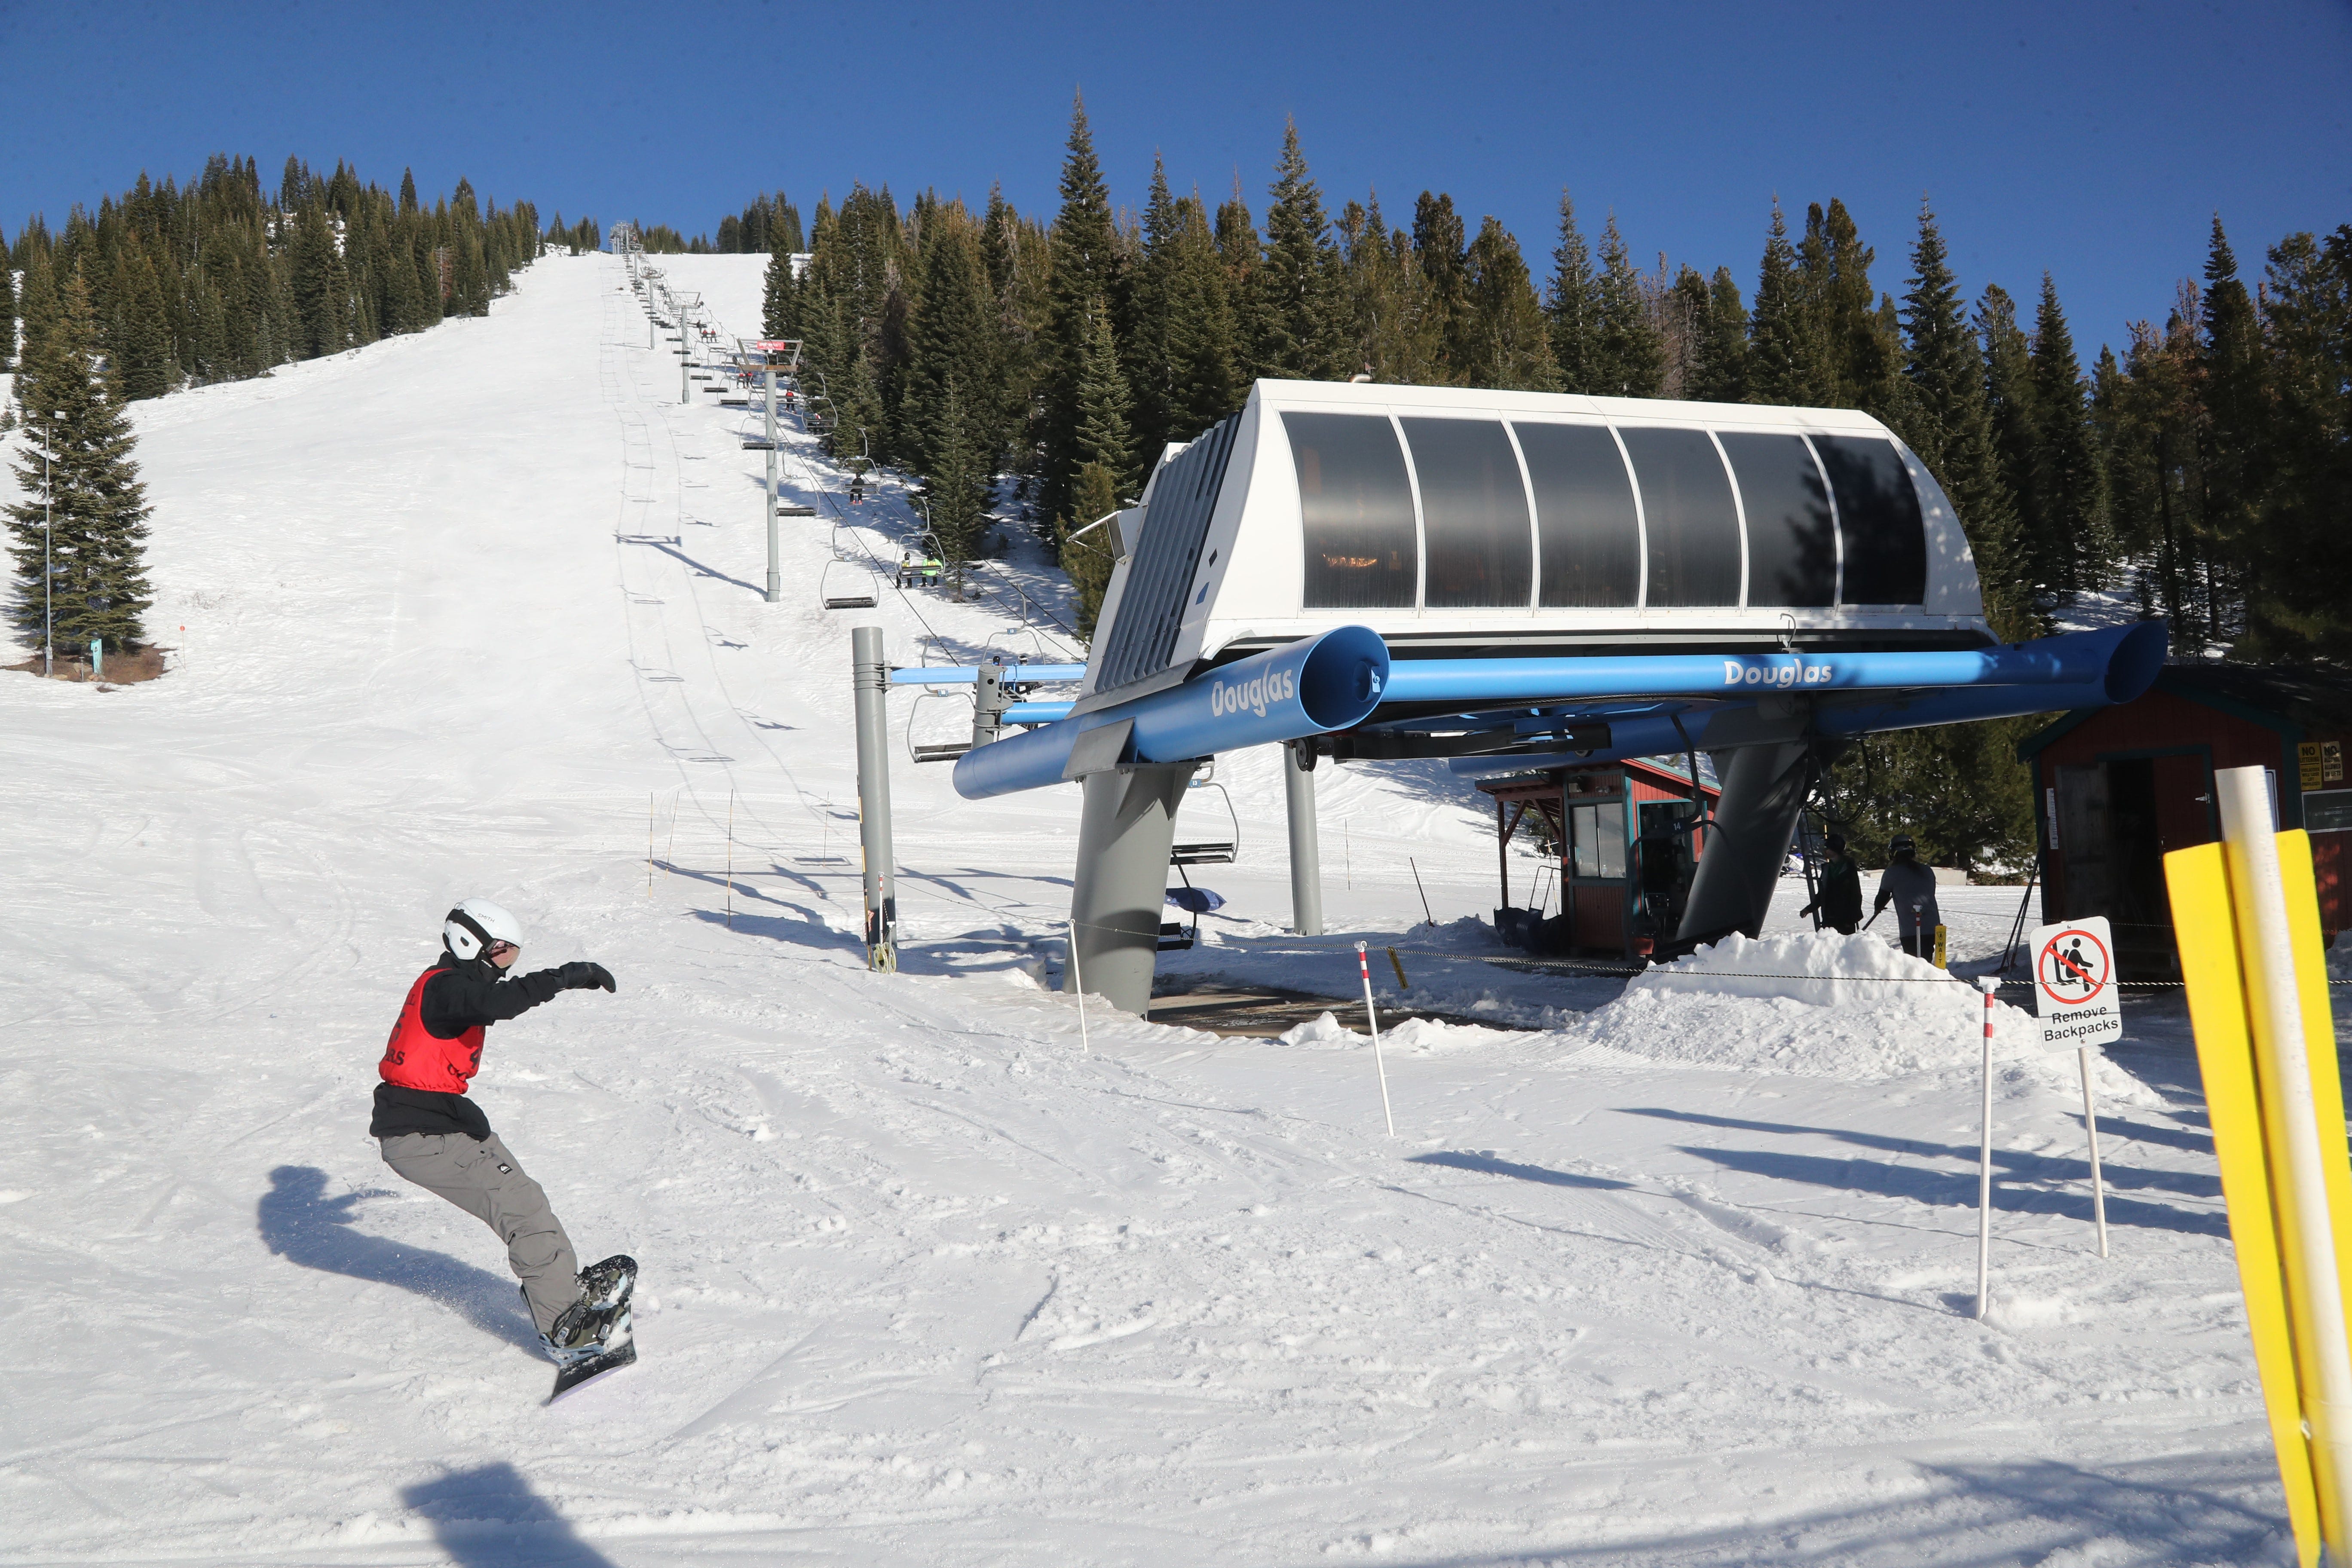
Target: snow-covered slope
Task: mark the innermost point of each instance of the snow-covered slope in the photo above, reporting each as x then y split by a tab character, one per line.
476	611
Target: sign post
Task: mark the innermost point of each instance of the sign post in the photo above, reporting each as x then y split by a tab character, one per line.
2075	1004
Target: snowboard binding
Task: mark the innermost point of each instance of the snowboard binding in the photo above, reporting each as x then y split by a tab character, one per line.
596	1334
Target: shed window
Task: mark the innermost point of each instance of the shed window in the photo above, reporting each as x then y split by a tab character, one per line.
1791	540
1597	840
1694	528
1356	507
1474	512
1878	513
2328	811
1584	515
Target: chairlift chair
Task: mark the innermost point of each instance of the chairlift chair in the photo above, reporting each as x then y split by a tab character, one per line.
1209	851
846	585
936	751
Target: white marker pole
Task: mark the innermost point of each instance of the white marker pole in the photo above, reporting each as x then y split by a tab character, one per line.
2091	1124
1364	968
1078	981
1984	1166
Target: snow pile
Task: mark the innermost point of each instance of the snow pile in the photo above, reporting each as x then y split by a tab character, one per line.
1323	1029
1817	1004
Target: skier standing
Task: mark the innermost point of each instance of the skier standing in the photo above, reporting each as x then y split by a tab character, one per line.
1838	898
437	1137
1911	887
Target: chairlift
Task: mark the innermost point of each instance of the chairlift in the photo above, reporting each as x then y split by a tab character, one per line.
846	585
1176	937
934	751
1209	851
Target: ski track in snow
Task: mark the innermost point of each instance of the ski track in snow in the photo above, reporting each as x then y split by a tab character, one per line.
923	1284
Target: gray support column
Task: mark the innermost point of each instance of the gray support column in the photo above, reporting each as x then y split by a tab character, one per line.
870	681
1764	789
685	363
775	578
988	704
1306	849
1125	831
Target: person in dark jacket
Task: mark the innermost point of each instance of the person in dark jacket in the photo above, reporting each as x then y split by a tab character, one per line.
435	1135
1839	895
1911	889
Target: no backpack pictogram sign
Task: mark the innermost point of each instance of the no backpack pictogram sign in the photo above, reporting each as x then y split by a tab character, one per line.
2074	995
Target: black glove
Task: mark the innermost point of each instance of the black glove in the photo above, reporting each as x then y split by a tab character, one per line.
584	977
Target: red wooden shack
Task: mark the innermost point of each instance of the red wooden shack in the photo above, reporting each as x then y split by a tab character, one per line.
1602	819
2119	788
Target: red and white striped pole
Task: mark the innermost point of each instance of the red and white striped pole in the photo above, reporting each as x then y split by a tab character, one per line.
1364	968
1984	1164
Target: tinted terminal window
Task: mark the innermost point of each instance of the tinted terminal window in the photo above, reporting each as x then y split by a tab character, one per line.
1791	540
1878	513
1694	528
1474	513
1356	506
1584	515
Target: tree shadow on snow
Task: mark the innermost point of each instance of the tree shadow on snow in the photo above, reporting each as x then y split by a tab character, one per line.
301	1224
488	1517
1489	1165
1958	1189
2205	1507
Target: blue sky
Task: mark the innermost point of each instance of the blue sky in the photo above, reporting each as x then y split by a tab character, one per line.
2095	142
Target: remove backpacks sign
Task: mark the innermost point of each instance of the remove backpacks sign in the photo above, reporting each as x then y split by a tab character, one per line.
2074	996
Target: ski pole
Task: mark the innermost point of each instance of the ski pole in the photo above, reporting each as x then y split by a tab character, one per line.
1364	968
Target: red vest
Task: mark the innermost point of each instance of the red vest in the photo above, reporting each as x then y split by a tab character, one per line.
414	1059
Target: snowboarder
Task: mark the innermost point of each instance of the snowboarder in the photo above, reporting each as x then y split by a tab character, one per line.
1838	898
1911	887
437	1137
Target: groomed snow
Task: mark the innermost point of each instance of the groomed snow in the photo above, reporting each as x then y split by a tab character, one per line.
1681	1275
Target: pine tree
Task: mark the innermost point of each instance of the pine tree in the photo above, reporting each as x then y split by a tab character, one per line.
1719	364
1104	435
2234	434
1299	291
777	315
1084	286
961	480
1151	374
1440	247
1394	318
1574	307
96	506
951	342
1950	428
1864	349
1629	361
7	307
1202	344
1787	363
1506	344
2013	418
2300	601
2068	488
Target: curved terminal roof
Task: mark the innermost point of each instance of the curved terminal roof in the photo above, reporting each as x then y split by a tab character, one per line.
1458	523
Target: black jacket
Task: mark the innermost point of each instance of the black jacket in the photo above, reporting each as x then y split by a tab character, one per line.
1840	898
461	994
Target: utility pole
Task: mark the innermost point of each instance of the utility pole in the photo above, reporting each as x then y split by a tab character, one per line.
775	578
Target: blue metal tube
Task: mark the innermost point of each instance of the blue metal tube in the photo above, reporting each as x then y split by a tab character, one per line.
2137	656
1037	712
2074	659
966	674
1329	682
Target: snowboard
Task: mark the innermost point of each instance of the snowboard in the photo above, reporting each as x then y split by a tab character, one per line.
607	1287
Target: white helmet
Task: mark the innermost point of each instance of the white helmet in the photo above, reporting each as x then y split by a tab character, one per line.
476	923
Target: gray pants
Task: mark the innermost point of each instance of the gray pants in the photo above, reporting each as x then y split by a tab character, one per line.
487	1181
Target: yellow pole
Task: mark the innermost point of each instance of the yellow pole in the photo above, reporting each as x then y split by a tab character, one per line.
2246	915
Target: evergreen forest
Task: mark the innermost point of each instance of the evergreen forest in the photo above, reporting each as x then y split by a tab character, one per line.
2203	473
169	285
